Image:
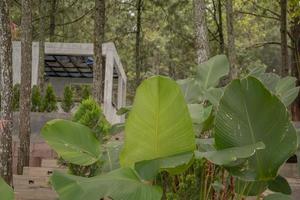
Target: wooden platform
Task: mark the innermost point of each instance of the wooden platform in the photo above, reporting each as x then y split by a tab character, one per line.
34	183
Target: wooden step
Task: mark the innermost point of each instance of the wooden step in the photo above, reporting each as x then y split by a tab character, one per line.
35	194
50	163
30	182
41	171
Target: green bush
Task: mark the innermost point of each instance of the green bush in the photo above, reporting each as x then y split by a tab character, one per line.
49	101
86	92
16	97
68	100
90	114
36	99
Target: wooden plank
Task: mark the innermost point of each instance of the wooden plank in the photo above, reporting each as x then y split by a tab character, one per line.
30	182
50	163
35	194
41	171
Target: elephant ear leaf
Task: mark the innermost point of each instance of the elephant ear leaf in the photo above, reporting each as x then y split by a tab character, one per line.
6	192
210	72
286	90
72	141
280	184
121	184
159	124
248	113
230	155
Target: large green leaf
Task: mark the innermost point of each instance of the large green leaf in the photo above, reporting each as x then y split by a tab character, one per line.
111	154
159	124
249	113
280	184
121	184
199	113
286	89
229	155
210	72
249	188
148	169
191	90
72	141
6	192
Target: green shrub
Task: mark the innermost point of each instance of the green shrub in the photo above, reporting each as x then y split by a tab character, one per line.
36	99
86	92
16	97
49	101
68	100
90	114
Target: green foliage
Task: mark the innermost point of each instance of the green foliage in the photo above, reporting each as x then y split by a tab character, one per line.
160	101
90	114
86	92
160	142
49	101
120	184
16	97
36	99
67	102
238	113
6	191
72	141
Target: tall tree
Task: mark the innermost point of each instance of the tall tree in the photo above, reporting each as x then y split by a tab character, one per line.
231	39
99	31
52	14
220	27
138	37
6	93
42	21
295	32
283	36
202	41
25	91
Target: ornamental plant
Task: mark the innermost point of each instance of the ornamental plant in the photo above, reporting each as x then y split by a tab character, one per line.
68	101
189	140
36	99
49	101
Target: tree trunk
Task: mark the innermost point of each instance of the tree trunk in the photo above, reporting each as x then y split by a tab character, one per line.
202	41
52	20
139	5
99	31
220	27
6	93
42	21
295	31
231	40
25	90
283	35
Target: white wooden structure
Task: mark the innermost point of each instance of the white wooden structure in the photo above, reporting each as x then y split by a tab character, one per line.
113	67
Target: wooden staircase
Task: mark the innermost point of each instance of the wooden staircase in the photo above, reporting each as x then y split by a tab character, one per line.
34	183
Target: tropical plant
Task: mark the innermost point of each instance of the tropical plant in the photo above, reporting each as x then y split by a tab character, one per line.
216	146
49	101
6	191
67	102
36	99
